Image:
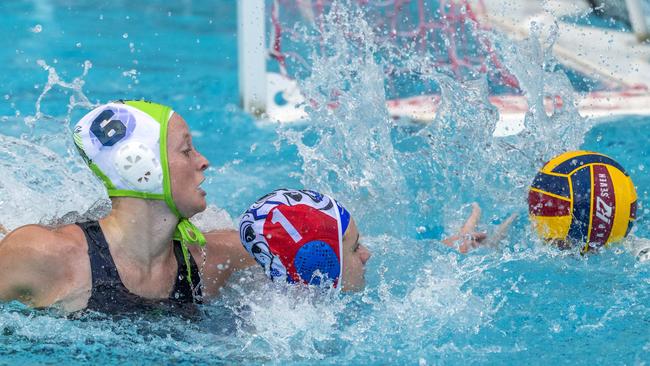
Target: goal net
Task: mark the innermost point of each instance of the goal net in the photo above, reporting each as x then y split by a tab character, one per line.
443	35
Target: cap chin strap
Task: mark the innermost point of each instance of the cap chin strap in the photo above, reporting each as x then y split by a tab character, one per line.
188	233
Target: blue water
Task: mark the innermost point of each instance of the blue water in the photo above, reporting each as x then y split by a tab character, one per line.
405	184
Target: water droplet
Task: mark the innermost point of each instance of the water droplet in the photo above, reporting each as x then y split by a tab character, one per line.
36	29
125	35
78	45
641	167
101	16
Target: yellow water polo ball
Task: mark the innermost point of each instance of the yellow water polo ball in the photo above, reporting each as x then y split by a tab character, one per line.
582	198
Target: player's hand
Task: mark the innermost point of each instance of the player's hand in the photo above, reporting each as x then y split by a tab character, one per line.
468	238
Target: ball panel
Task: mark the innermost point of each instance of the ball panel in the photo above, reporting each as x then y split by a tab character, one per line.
551	183
603	206
633	207
581	188
551	227
624	193
543	204
632	218
570	165
553	163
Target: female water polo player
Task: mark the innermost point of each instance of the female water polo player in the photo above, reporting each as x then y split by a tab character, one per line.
142	254
302	236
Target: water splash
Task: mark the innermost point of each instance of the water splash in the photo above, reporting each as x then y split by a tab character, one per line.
278	321
42	165
356	152
77	100
421	175
425	304
349	153
542	82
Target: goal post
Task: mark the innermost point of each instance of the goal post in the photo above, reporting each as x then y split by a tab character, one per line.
637	20
252	51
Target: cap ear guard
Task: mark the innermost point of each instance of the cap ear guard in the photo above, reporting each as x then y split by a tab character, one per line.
316	262
138	166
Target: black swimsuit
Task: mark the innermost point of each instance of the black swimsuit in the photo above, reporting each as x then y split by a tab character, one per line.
109	295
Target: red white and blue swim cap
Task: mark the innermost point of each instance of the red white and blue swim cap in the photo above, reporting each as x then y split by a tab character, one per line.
296	236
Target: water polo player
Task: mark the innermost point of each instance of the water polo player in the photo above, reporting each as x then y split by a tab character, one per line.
142	254
302	236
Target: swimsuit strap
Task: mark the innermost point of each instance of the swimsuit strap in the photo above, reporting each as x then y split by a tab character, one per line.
103	269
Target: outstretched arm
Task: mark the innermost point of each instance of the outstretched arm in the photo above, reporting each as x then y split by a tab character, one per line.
468	238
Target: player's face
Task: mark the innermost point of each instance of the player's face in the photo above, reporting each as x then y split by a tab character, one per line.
186	167
355	256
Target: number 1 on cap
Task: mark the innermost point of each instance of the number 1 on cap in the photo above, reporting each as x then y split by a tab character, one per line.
279	218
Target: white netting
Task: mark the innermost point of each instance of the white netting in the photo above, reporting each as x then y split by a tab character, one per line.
414	36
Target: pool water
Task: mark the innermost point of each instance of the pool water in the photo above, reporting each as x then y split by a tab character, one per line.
406	185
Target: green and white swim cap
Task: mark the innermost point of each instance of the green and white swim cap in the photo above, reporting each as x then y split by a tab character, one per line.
121	144
125	144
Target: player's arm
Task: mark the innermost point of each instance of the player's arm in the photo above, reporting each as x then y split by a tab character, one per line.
224	254
34	267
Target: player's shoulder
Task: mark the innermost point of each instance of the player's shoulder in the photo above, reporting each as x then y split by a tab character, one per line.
61	242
